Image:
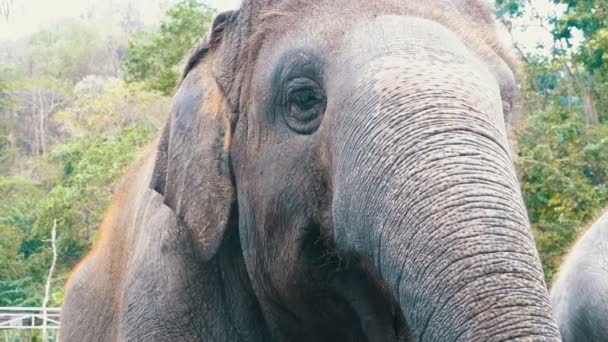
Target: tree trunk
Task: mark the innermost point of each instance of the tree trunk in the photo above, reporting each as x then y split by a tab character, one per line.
591	117
47	287
5	8
42	114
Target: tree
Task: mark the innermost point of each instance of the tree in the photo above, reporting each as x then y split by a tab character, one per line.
563	139
7	146
69	126
154	56
38	99
49	282
563	165
590	60
5	8
71	51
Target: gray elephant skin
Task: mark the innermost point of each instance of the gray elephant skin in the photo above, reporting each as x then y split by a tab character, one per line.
330	171
579	295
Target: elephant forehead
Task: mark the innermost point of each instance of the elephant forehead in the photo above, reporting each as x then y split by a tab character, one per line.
415	58
413	76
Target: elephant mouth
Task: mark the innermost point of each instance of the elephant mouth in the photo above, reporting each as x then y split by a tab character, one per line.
355	287
379	312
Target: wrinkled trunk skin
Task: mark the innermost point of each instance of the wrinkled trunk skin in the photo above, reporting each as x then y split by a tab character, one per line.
424	187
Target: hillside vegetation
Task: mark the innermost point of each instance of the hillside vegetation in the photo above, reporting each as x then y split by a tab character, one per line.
79	101
77	105
563	138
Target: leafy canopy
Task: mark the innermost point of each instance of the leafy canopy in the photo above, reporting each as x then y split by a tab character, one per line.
154	57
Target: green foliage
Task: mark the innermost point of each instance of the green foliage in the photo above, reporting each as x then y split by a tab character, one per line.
70	51
154	56
509	8
4	97
563	145
108	124
563	163
68	129
6	152
76	200
588	61
590	17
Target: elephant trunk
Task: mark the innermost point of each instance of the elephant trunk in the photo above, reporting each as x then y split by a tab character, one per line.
424	188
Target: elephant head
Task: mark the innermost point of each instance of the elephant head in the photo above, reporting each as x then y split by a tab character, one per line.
360	151
579	295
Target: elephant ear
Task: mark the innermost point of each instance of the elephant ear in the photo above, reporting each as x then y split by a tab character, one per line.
192	169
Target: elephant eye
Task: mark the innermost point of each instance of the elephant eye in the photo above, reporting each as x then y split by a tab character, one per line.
305	104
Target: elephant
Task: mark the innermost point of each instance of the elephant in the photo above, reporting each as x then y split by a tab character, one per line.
330	170
579	295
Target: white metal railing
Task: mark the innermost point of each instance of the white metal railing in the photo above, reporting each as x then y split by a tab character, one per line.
28	318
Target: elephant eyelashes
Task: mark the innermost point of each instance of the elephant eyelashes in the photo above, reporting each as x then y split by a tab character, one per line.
304	105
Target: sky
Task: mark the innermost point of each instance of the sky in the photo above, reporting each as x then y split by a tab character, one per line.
28	16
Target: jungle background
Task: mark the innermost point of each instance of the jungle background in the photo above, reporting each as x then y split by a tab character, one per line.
79	99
